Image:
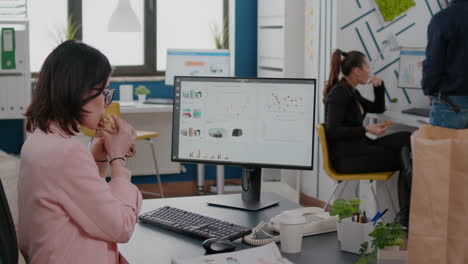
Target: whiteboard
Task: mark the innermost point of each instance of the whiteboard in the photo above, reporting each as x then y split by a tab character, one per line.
410	71
184	62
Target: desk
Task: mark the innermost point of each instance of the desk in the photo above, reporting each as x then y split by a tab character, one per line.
156	245
400	118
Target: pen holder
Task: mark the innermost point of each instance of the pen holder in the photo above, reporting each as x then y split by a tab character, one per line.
352	234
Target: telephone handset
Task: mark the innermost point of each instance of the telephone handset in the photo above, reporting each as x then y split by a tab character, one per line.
318	222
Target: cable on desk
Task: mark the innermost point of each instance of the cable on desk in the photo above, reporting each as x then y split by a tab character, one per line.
252	239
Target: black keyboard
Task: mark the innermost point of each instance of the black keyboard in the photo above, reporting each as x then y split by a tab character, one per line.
193	224
417	111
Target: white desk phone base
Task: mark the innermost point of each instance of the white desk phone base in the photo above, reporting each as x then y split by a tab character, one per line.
318	222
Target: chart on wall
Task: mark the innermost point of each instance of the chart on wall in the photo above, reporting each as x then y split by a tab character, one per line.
411	60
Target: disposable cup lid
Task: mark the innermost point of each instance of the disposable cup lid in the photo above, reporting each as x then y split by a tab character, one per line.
291	218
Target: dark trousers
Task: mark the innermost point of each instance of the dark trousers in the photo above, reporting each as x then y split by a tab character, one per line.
379	155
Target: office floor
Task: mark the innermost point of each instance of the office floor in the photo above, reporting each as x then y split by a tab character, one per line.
187	188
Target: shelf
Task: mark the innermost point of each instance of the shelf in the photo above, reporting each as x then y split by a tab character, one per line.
280	51
266	68
11	73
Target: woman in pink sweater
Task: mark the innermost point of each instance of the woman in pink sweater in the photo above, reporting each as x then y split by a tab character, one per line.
68	213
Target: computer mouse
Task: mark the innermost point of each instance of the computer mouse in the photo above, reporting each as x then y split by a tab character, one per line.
237	132
218	245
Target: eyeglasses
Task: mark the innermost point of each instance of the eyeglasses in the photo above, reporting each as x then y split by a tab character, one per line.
108	96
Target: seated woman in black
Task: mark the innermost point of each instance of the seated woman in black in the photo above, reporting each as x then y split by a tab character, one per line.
351	151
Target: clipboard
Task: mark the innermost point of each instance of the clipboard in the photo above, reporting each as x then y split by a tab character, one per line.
410	69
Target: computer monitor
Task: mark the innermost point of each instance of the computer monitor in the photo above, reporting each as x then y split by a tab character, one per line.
196	62
251	122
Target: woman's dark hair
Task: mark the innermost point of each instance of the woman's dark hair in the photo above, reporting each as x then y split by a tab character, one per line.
68	74
343	62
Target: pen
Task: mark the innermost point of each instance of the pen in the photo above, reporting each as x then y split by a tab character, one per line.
375	216
380	216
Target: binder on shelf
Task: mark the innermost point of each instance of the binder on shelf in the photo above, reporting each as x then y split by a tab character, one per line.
8	49
15	75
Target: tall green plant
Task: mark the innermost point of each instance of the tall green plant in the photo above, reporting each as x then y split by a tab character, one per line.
221	36
62	34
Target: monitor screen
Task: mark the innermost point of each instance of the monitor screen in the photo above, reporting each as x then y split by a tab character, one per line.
196	63
244	121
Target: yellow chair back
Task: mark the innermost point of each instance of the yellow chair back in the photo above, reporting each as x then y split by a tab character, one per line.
324	145
341	176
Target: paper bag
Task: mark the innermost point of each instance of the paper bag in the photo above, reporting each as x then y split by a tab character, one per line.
438	230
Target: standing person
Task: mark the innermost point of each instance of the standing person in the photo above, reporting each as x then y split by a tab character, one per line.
445	75
351	151
68	213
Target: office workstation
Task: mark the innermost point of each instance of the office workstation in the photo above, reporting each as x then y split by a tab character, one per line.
232	123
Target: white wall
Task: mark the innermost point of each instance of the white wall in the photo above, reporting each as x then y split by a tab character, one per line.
371	26
320	39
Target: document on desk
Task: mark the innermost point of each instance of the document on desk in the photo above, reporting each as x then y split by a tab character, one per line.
267	254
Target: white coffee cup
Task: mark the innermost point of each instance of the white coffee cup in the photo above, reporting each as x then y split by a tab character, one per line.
291	229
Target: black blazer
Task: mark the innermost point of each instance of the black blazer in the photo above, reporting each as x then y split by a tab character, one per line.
346	134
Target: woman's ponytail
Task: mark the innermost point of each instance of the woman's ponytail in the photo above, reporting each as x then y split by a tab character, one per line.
335	69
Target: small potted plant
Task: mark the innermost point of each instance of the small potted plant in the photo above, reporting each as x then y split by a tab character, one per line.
352	226
141	91
344	210
386	242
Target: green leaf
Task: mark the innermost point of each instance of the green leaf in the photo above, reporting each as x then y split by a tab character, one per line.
345	209
362	260
142	90
390	9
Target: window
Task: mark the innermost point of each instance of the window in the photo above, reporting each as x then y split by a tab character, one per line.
164	23
122	48
196	32
45	28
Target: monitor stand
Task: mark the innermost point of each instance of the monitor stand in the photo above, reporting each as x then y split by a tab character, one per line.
250	197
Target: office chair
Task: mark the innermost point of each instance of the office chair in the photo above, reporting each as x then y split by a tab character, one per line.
114	109
341	177
8	242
